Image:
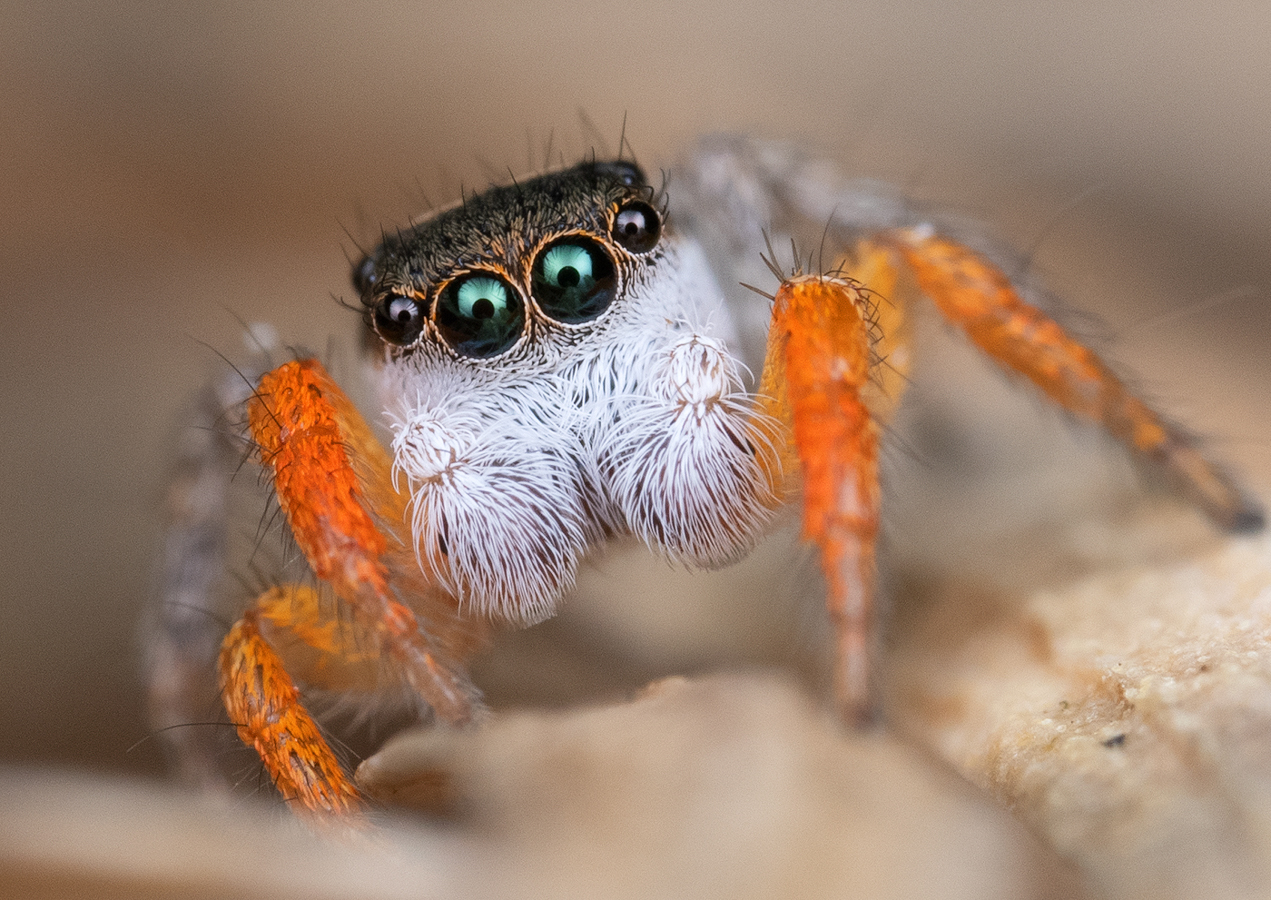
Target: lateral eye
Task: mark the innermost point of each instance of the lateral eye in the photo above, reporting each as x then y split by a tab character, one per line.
480	315
398	319
364	275
573	280
637	227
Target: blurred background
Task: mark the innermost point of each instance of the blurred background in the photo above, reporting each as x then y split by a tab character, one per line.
166	169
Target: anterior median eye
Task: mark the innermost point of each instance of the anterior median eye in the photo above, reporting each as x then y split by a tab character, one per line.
480	315
573	280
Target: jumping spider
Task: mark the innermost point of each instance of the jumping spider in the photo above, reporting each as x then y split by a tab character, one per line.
553	361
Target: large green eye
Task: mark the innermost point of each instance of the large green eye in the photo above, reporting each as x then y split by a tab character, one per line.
480	315
573	280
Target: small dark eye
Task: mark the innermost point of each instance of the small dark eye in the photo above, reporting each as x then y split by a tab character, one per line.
399	319
480	315
637	227
364	275
573	280
628	173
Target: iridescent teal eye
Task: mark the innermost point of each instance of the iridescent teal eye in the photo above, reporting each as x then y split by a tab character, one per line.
573	280
568	265
480	315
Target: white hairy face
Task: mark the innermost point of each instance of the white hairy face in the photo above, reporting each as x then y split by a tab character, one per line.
554	374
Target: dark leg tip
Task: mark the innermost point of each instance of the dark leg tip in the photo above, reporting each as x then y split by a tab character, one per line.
1249	520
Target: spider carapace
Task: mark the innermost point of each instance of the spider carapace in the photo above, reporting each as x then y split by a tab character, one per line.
553	364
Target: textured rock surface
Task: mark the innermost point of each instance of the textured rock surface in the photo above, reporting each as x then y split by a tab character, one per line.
730	787
1126	716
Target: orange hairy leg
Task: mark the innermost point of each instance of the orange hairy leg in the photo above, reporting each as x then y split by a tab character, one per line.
321	648
333	482
974	294
816	375
264	703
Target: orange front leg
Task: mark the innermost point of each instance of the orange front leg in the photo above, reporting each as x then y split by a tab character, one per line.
332	480
264	703
975	295
816	373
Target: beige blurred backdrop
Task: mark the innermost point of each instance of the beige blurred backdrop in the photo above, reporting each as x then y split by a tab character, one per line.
167	168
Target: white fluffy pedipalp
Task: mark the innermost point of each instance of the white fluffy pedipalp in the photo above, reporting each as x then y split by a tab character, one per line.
495	510
685	464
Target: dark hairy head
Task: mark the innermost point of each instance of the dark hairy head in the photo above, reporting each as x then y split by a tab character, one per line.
561	239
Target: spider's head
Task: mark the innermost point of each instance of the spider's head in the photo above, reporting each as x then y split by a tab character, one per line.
530	263
551	379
